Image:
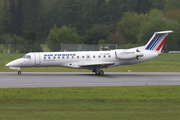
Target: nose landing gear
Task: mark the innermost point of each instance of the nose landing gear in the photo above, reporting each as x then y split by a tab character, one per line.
19	72
16	68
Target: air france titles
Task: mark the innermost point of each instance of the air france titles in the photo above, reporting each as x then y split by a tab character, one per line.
55	55
52	55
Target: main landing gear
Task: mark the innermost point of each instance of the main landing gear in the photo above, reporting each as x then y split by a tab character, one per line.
100	72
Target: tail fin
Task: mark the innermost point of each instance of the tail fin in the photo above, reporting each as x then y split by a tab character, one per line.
157	41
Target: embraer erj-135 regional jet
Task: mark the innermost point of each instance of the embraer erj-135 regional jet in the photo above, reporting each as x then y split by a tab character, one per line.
93	60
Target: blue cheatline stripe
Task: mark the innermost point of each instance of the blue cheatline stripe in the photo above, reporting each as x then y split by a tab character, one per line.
158	39
152	41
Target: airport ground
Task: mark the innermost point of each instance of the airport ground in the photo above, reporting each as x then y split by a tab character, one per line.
97	103
118	102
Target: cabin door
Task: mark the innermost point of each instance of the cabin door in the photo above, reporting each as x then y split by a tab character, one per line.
37	58
88	57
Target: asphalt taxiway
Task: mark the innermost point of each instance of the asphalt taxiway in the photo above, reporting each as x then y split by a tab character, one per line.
72	79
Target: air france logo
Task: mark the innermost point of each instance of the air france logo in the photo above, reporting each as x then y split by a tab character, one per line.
49	55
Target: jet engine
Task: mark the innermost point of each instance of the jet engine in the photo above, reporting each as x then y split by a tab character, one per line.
129	54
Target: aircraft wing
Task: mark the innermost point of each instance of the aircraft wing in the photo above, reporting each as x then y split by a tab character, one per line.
101	64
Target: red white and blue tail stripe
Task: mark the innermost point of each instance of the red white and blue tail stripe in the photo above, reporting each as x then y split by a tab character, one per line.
157	41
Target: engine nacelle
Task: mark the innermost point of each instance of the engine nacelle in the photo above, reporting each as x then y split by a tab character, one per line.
129	54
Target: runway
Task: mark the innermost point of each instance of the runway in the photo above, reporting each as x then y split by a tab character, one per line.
72	79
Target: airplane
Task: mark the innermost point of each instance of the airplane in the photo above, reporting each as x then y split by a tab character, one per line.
93	60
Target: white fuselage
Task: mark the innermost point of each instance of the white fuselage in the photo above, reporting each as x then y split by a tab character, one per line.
78	59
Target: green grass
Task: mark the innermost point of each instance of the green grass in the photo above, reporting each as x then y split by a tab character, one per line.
126	103
45	48
164	63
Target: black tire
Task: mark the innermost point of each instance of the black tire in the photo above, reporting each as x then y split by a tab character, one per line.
19	72
97	73
101	72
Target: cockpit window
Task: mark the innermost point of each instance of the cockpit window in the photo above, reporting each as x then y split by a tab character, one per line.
28	57
24	56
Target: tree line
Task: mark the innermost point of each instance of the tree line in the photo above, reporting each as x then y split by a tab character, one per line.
87	21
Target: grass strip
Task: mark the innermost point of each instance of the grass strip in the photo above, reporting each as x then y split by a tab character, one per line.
137	103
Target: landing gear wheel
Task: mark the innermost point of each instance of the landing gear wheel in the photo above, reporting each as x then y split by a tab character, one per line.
19	72
101	72
97	73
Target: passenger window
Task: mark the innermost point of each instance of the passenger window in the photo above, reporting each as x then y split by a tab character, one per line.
72	56
44	57
54	57
82	56
109	56
77	56
58	57
67	57
49	57
94	56
63	57
104	56
28	57
99	56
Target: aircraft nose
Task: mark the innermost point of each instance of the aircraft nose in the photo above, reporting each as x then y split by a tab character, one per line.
11	64
7	65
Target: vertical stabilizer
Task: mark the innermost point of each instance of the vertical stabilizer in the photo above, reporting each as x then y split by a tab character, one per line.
157	41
